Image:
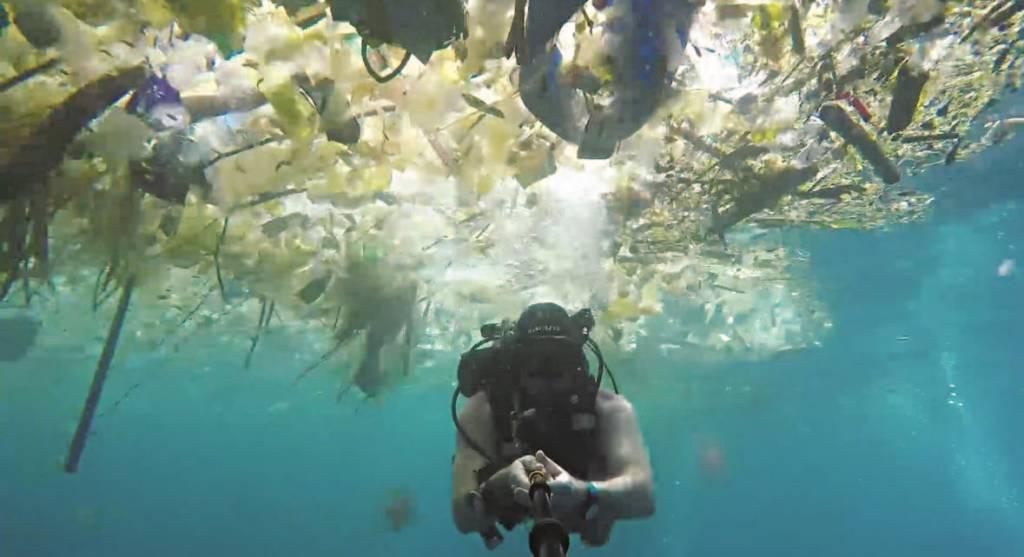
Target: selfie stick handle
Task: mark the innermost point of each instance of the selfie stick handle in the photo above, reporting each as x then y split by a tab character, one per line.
548	537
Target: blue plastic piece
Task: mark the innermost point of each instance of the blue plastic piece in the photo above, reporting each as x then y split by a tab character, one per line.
154	92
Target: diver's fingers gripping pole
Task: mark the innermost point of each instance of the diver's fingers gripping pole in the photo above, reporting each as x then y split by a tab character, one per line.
540	495
538	477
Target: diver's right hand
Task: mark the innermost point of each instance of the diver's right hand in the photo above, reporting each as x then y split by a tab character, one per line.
513	481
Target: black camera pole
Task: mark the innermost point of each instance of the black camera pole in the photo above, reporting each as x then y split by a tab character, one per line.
548	537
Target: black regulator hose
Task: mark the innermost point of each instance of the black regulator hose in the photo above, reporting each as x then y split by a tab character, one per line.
462	431
602	367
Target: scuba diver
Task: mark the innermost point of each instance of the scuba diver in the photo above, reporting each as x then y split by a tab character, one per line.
534	408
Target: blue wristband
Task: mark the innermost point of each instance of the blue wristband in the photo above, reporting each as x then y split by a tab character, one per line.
590	505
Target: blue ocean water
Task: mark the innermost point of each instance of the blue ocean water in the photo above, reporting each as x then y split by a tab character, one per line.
859	447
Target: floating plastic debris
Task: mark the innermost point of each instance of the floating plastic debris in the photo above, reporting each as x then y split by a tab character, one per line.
44	148
639	36
419	27
1002	129
223	22
839	120
906	97
704	128
400	510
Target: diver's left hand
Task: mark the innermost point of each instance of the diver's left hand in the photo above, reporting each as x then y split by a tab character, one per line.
568	494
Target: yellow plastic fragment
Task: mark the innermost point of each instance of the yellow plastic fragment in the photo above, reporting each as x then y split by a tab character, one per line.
296	116
222	21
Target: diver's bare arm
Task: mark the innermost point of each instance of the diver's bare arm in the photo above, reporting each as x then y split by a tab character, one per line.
476	421
629	490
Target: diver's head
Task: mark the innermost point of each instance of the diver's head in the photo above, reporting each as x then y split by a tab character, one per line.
549	349
547	321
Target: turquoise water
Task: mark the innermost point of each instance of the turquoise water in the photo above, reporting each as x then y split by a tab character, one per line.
858	447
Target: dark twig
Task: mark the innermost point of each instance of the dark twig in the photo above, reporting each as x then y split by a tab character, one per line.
266	197
98	379
100	291
216	259
240	150
266	313
29	74
188	316
118	402
270	315
327	355
337	317
16	230
727	288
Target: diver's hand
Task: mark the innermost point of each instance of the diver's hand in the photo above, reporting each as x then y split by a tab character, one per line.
568	494
515	478
488	530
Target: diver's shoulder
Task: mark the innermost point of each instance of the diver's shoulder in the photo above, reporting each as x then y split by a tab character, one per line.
609	402
477	405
